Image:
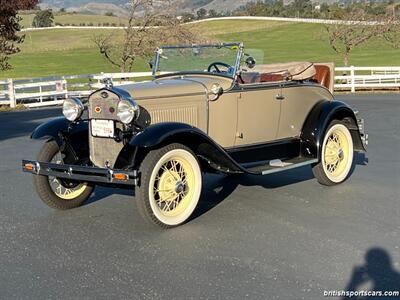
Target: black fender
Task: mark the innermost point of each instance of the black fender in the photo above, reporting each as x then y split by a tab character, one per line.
72	136
317	122
161	134
57	127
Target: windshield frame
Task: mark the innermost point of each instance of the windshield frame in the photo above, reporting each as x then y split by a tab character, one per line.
220	45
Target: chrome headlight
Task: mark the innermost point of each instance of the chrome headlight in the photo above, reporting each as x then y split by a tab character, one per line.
127	111
72	109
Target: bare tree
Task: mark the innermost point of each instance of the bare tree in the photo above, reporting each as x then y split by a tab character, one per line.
357	28
9	26
148	27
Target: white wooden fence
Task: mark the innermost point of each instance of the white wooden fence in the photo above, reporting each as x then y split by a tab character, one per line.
362	78
253	18
45	92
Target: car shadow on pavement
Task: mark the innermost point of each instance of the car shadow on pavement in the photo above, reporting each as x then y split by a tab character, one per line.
378	273
218	187
101	193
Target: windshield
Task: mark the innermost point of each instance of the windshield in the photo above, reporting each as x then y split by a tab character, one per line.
223	59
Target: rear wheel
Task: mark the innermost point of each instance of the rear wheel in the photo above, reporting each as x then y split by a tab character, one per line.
55	192
336	155
170	185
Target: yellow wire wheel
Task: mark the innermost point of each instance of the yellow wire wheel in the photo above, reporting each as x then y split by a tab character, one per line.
337	153
67	193
64	190
173	185
55	192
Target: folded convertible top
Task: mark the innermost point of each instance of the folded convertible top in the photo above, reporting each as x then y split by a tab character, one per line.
292	70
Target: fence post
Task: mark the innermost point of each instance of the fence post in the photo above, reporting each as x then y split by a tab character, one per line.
11	93
66	88
40	92
353	81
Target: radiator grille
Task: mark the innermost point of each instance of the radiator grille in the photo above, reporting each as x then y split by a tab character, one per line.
188	115
104	151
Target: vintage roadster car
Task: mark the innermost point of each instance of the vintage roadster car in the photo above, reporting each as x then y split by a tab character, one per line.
209	108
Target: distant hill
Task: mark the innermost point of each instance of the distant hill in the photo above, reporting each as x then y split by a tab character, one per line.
225	5
118	6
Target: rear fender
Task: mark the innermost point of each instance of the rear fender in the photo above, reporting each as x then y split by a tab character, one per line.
317	122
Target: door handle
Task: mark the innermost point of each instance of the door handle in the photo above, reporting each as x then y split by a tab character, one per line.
280	97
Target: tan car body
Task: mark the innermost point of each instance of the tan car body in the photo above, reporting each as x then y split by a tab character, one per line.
244	114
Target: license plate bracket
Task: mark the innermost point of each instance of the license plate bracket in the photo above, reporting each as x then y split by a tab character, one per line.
102	128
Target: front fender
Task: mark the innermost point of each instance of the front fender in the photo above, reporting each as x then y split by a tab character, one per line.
72	138
317	122
161	134
57	127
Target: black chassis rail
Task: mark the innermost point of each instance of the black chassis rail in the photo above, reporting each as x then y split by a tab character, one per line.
80	173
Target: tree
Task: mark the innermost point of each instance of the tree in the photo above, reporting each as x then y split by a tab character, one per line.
187	17
148	26
358	28
301	8
9	27
201	13
212	13
43	18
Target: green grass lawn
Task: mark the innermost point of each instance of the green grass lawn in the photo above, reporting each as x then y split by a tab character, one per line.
72	51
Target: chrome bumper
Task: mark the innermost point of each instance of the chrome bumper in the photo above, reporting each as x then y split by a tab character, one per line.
81	173
363	134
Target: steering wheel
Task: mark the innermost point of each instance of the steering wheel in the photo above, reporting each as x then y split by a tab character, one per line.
217	69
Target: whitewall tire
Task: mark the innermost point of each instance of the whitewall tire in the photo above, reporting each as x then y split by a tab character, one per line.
170	186
336	155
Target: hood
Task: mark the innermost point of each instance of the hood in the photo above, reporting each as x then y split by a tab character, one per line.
175	86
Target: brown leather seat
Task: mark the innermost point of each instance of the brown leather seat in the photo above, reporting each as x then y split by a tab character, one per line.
249	77
265	77
323	75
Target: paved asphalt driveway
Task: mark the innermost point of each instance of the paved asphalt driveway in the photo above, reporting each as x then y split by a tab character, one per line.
281	236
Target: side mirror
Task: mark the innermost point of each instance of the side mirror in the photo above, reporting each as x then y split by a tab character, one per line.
151	63
250	62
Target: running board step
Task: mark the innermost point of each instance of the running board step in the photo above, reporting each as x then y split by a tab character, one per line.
278	165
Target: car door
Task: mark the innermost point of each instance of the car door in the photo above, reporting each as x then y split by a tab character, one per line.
223	119
258	113
297	101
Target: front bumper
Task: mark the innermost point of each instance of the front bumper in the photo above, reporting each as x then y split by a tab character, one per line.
81	173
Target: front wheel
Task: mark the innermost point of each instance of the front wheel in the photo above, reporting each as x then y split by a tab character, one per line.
170	185
336	155
55	192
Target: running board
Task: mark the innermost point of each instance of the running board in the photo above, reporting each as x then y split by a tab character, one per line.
277	165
